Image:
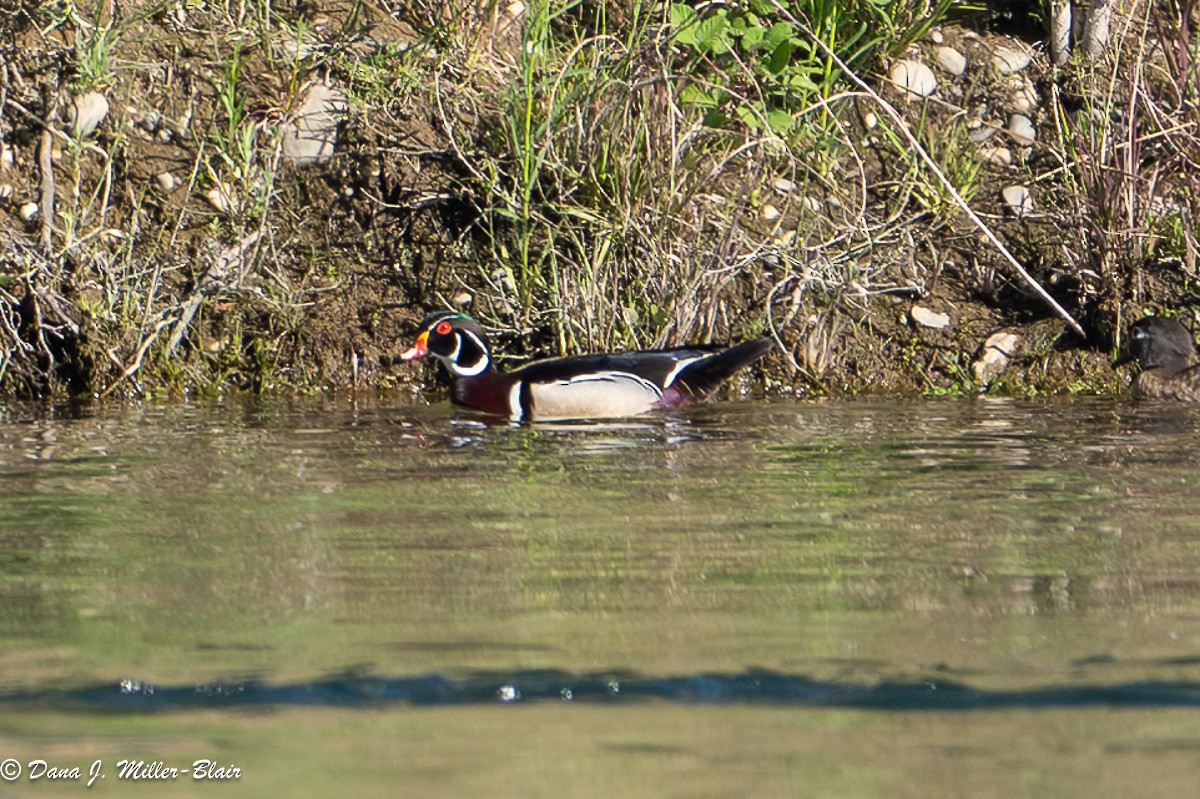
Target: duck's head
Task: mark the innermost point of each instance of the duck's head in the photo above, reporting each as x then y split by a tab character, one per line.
1157	342
454	339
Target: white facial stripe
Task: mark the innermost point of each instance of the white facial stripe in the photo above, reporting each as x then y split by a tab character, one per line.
474	338
470	369
679	367
457	348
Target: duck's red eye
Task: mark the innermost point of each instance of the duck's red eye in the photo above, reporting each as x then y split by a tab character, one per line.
443	328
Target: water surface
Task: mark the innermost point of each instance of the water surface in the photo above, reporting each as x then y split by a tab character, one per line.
763	598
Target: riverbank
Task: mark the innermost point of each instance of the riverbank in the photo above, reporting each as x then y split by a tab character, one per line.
209	199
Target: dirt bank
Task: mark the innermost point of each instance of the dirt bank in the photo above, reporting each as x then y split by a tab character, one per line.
193	200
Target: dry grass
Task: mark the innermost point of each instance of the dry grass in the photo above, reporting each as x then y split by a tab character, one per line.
1126	157
554	174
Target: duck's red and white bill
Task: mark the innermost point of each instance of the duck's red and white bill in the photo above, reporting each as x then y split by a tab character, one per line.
419	349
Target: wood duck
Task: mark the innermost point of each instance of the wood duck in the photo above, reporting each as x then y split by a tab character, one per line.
1166	353
579	386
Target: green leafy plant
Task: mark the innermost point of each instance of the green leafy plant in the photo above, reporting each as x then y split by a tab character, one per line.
239	172
94	46
766	63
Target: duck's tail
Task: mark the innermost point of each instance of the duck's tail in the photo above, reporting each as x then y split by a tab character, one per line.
700	378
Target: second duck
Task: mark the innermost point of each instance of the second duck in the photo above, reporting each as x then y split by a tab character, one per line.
1166	353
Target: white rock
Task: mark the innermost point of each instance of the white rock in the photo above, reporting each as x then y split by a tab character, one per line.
784	186
994	356
1023	100
312	135
218	198
148	121
913	77
86	113
6	156
952	61
982	133
1019	200
936	36
6	191
167	182
770	212
927	318
1021	129
28	211
812	204
1009	58
997	156
870	120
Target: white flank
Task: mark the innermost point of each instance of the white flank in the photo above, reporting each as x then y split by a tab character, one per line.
595	396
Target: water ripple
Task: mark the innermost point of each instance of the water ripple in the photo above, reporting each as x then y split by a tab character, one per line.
749	687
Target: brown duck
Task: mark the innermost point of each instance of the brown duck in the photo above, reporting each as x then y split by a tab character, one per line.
1166	353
